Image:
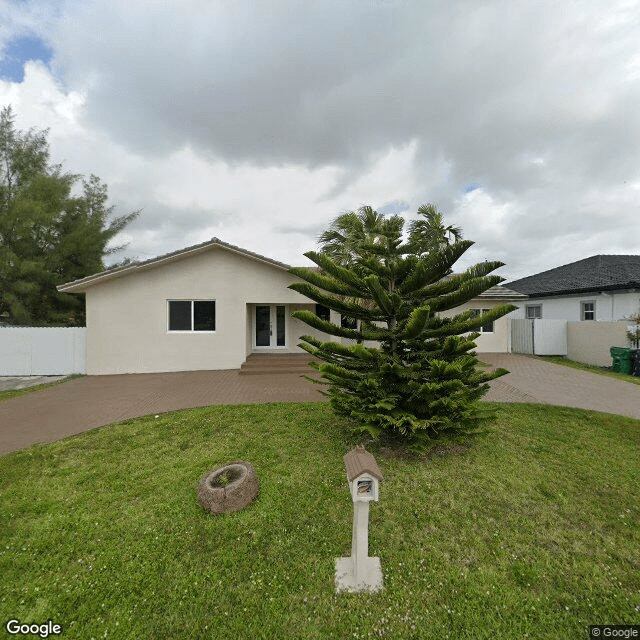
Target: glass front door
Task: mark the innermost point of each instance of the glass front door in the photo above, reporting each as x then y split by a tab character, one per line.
270	326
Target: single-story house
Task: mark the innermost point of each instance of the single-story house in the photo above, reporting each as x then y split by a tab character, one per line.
210	306
601	288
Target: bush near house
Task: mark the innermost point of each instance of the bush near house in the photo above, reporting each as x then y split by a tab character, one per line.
633	335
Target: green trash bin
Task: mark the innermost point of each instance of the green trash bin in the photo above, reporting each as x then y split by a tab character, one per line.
621	359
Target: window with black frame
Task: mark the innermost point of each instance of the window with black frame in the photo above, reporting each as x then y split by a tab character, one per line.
587	311
192	315
533	311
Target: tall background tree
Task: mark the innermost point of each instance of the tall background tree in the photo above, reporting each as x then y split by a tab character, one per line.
47	235
429	232
418	379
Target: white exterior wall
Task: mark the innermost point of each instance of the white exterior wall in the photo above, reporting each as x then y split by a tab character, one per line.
298	328
610	306
127	316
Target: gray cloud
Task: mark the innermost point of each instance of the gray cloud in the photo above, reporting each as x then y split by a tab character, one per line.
536	103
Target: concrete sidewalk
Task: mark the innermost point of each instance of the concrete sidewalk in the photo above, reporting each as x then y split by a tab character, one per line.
93	401
11	383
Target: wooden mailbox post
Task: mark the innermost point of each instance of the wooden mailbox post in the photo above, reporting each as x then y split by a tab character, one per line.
360	572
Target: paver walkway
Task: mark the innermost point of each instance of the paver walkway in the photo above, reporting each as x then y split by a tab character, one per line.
93	401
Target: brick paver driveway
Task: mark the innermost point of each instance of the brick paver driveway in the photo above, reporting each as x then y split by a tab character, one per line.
85	403
533	380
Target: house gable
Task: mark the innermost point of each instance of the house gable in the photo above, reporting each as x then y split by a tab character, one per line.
81	285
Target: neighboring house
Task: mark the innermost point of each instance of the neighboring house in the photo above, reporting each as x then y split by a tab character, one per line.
210	306
601	288
496	336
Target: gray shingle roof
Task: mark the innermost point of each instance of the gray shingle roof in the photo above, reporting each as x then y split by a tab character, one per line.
597	273
500	291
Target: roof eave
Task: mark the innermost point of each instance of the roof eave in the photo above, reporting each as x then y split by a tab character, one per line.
632	286
81	285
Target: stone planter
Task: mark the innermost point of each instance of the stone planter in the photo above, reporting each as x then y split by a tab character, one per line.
228	488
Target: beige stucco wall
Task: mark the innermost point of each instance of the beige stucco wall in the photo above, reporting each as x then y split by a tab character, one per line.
589	342
127	316
497	342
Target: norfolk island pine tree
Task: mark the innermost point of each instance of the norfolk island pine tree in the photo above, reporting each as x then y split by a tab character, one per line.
421	383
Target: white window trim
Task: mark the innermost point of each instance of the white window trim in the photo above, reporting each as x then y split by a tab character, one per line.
493	322
273	321
582	312
191	300
527	306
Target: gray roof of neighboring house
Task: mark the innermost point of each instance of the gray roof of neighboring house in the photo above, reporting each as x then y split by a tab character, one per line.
597	273
500	291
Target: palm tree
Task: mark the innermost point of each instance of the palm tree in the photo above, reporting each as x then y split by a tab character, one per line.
361	233
431	234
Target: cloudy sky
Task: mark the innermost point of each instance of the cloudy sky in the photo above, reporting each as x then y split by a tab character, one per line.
258	121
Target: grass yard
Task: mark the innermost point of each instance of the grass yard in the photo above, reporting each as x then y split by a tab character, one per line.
530	533
591	368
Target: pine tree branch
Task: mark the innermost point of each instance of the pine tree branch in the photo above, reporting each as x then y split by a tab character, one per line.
380	297
465	292
366	332
454	326
343	306
322	281
452	282
333	268
434	266
416	322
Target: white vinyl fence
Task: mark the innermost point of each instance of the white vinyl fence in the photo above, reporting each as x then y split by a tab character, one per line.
539	337
42	351
586	341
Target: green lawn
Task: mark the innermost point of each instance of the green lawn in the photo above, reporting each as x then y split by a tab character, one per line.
591	368
530	533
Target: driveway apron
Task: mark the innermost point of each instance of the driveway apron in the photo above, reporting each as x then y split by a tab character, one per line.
93	401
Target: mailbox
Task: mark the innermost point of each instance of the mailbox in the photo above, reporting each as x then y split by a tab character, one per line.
359	572
363	474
